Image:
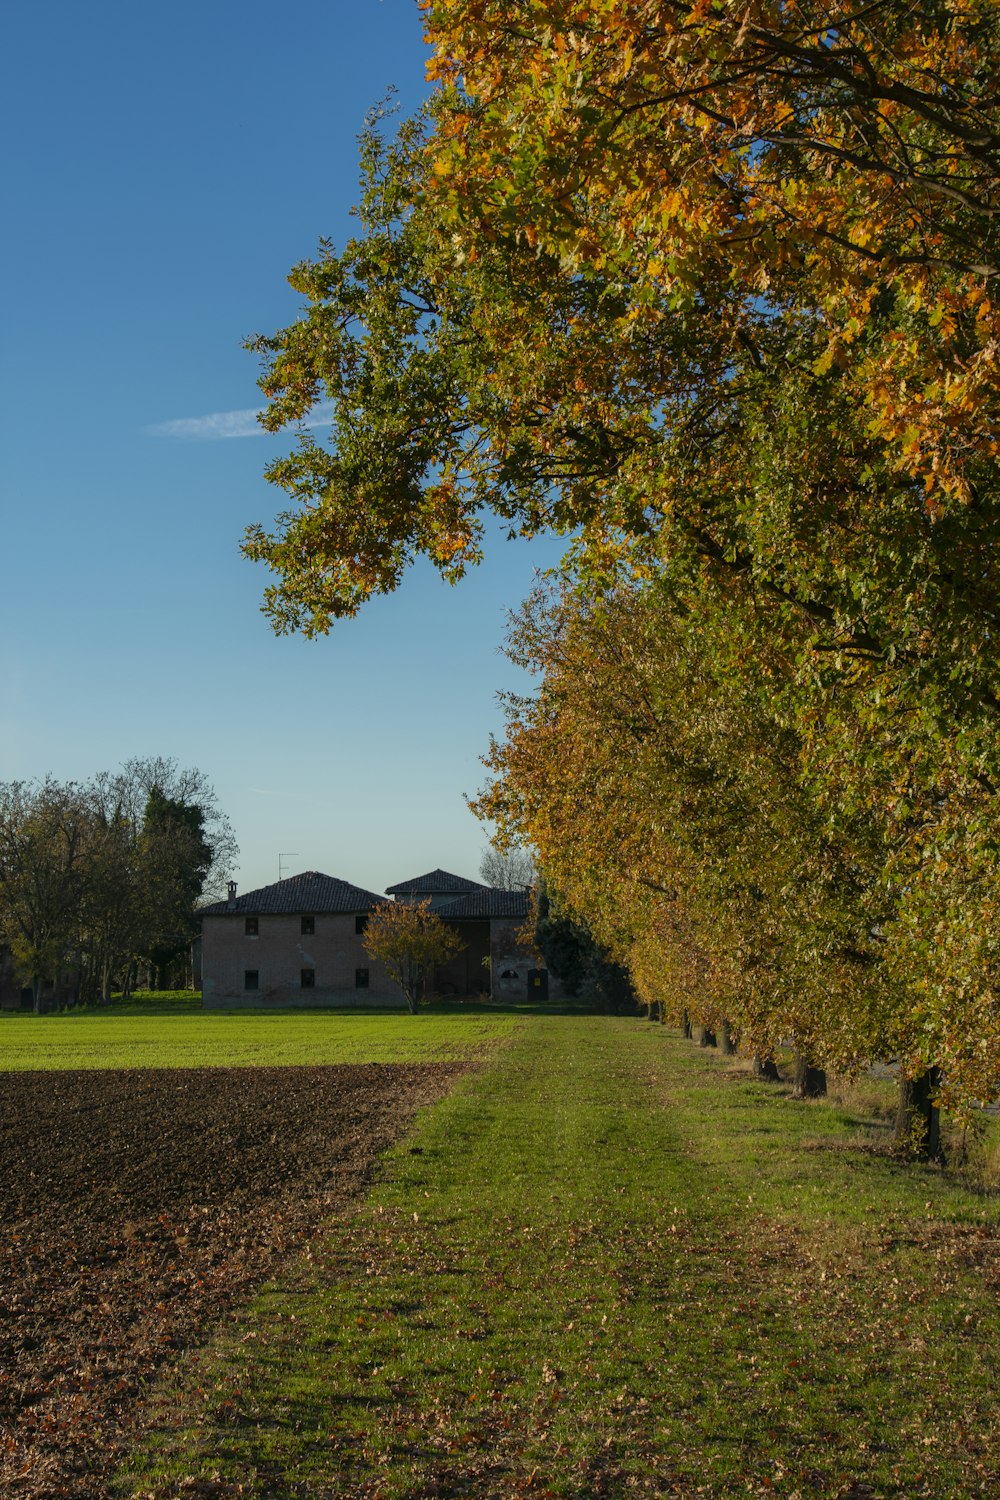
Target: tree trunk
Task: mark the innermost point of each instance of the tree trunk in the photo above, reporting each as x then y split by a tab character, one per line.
726	1044
766	1069
810	1082
706	1037
686	1026
918	1119
412	985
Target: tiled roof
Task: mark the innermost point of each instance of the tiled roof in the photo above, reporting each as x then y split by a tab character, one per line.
434	884
488	901
309	892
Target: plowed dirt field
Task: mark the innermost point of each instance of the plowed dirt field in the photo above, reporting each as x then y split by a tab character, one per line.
136	1207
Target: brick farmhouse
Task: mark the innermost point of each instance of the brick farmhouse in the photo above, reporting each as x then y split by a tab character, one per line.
300	942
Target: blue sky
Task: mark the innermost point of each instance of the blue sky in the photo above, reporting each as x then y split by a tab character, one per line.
164	169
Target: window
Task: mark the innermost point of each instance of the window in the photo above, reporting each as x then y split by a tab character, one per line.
251	979
361	921
308	979
308	926
361	979
250	927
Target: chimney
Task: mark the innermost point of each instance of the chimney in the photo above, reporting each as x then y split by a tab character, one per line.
232	895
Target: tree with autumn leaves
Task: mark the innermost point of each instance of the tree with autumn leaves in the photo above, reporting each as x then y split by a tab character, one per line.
710	289
662	790
410	939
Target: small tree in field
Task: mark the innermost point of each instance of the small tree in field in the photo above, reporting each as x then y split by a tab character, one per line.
409	940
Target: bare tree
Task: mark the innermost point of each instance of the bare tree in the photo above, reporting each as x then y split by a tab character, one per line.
510	870
161	775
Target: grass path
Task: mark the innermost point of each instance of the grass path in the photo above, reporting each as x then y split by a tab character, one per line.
606	1266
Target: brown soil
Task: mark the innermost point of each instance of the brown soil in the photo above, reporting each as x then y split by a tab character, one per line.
136	1207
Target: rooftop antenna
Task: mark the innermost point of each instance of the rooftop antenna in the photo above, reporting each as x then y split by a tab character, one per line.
288	854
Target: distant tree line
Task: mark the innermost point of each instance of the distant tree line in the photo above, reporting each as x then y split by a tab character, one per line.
101	878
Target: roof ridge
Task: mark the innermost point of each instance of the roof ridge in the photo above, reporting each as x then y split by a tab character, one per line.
305	891
436	880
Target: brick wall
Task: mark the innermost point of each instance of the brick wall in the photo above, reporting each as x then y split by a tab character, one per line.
465	973
512	961
279	953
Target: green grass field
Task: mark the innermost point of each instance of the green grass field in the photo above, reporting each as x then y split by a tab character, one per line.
172	1031
609	1264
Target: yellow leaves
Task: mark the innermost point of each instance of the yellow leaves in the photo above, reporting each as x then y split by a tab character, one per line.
449	547
674	206
835	354
978	301
944	321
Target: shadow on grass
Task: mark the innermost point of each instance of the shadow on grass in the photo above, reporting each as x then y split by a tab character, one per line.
184	1001
511	1008
143	1003
150	1003
189	1002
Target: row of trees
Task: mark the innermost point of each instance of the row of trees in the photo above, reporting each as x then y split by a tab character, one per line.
101	878
710	288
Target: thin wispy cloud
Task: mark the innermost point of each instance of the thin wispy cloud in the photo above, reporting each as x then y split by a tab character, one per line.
266	791
229	424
